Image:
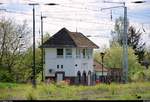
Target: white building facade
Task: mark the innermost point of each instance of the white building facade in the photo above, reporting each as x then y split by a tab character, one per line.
69	60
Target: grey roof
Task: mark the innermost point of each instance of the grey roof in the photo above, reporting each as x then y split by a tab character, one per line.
65	38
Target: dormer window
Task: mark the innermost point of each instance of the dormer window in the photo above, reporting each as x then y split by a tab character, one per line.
60	53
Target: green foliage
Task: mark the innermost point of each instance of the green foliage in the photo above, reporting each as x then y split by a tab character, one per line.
16	57
134	41
139	76
5	76
8	85
113	59
142	76
14	42
147	74
23	67
31	94
134	37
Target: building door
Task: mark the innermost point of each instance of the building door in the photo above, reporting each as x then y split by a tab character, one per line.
89	78
84	78
59	76
78	77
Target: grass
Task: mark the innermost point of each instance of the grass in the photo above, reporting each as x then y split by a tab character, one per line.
114	91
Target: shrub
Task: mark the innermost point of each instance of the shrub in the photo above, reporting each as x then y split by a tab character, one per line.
147	74
139	76
5	76
31	94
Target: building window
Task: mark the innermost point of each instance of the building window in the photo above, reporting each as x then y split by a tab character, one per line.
57	66
84	53
68	53
89	53
60	53
78	53
61	66
50	70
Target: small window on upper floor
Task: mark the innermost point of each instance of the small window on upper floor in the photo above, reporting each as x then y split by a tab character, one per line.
62	66
68	53
60	53
84	53
78	53
89	53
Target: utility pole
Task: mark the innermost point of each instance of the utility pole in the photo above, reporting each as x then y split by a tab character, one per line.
33	67
102	56
125	39
125	47
42	53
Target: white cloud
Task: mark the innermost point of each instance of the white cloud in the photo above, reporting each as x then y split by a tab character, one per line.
14	1
85	15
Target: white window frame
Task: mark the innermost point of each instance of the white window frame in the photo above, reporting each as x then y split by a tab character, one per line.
89	53
78	53
68	52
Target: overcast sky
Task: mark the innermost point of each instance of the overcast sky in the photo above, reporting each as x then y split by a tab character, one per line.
83	16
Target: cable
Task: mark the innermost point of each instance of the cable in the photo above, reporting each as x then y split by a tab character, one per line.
70	19
59	21
87	9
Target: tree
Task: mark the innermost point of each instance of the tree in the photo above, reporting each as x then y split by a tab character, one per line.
118	30
134	38
134	41
113	59
23	68
146	61
13	40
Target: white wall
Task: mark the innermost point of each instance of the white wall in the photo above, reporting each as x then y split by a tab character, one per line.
51	62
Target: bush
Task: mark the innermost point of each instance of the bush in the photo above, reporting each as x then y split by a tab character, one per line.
139	76
5	76
147	74
31	94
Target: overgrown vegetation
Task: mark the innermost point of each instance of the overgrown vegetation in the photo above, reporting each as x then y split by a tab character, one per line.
113	59
131	91
138	56
16	52
16	66
134	38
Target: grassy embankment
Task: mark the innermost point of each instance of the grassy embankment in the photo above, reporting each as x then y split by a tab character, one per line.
131	91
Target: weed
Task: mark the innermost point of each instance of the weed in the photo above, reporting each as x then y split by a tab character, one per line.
31	94
63	91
